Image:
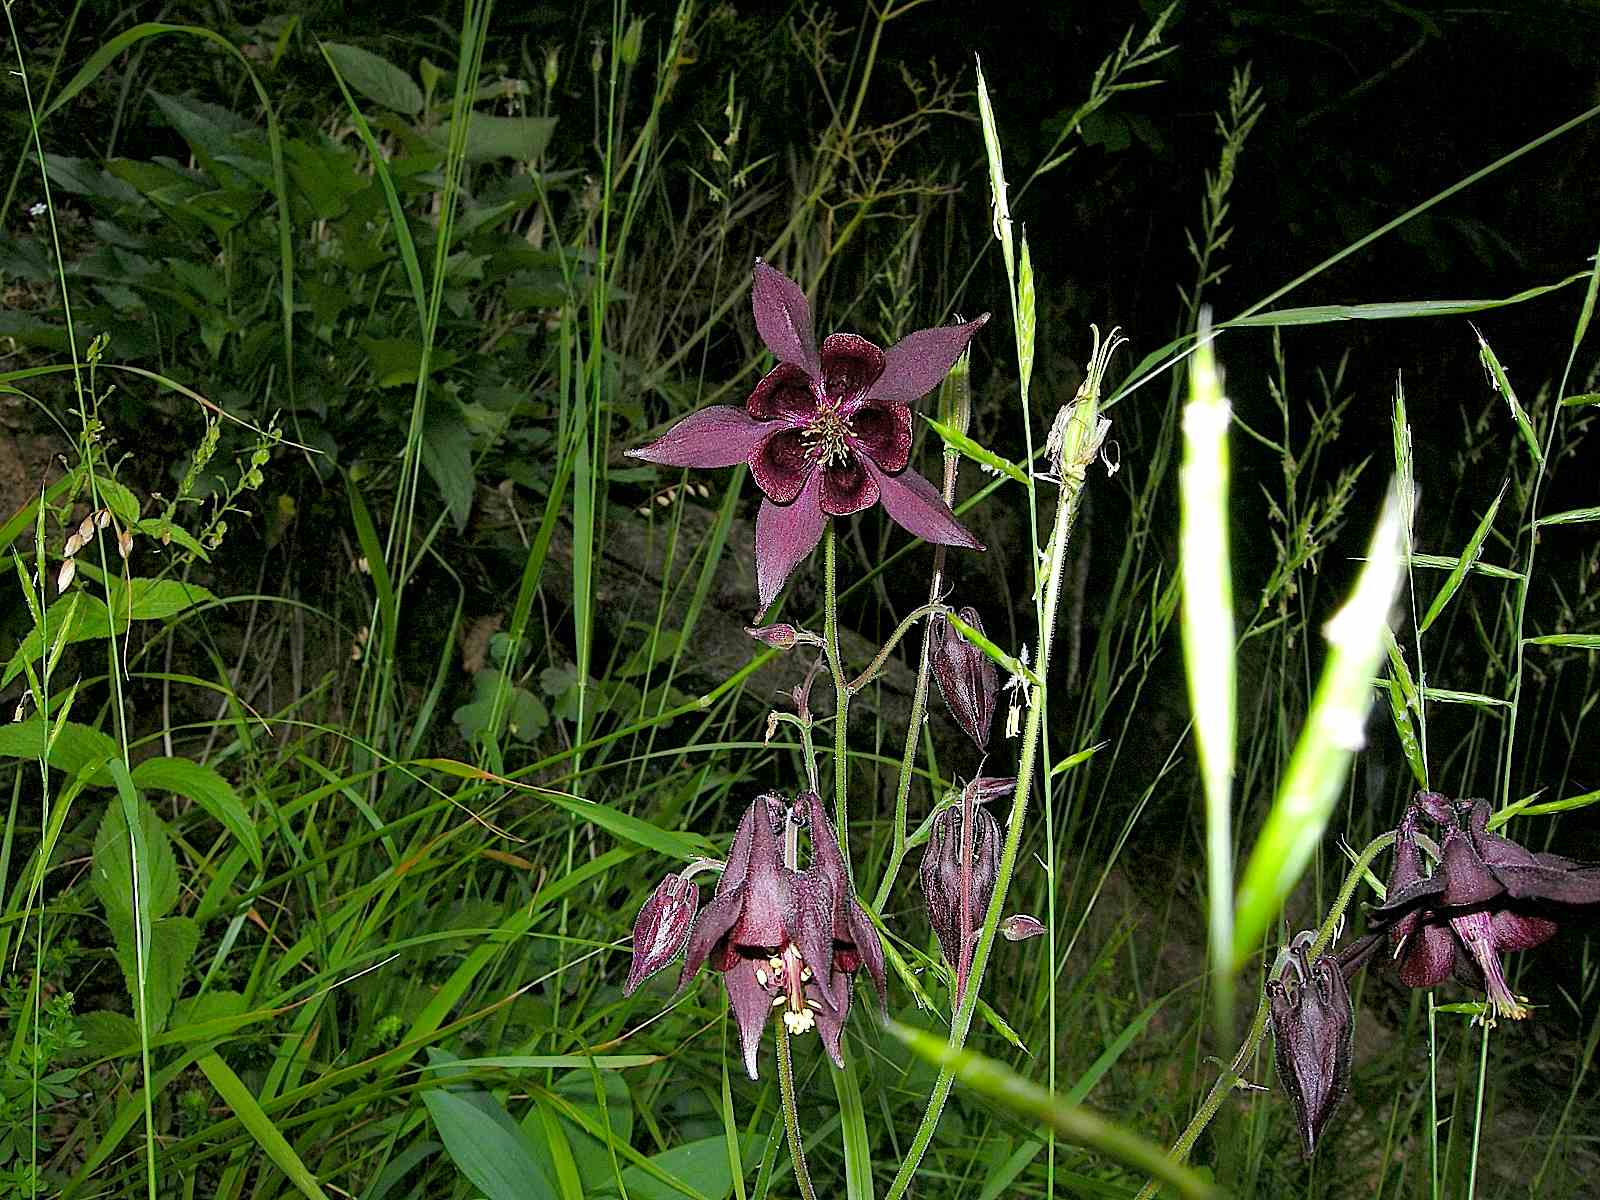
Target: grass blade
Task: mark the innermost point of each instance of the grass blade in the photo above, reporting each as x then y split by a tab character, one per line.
1469	556
255	1120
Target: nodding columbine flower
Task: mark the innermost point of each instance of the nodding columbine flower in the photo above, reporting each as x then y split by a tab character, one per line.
1487	895
855	939
958	877
782	938
968	679
826	433
662	928
1313	1023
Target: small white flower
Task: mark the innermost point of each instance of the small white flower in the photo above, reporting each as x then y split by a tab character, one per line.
37	210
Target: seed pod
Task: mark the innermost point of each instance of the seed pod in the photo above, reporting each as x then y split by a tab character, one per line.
944	881
1313	1024
662	928
968	679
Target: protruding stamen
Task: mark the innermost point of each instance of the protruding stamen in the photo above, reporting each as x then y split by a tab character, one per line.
1476	931
827	437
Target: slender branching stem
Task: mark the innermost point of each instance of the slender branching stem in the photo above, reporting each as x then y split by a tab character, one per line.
841	693
1229	1079
905	627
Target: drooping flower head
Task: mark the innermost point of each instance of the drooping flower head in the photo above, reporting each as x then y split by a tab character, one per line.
826	432
1486	896
958	872
1313	1024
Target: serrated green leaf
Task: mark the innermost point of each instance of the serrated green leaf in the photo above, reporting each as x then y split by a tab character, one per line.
113	874
73	749
207	789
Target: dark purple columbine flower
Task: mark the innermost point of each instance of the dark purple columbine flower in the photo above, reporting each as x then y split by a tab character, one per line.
826	433
968	679
958	873
1313	1023
1486	896
770	931
855	939
662	928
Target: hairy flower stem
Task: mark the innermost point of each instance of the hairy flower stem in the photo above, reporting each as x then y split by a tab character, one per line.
1229	1079
1081	442
919	706
905	627
841	693
791	1115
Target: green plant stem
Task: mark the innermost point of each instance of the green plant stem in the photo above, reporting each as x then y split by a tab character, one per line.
1229	1079
841	694
905	627
1079	447
791	1115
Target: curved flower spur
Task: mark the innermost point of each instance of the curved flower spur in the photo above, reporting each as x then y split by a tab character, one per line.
827	432
1487	895
783	939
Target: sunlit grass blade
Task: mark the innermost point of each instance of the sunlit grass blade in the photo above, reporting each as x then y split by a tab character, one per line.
853	1132
1072	1122
1469	555
1502	384
982	455
1523	808
1332	734
260	1126
1444	562
1208	637
1572	516
1576	641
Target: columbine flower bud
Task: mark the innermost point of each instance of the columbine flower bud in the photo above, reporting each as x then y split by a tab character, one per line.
967	677
632	38
781	636
1019	927
991	787
1312	1026
956	886
662	928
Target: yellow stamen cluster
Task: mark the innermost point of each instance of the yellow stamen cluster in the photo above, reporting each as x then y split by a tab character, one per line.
826	438
787	979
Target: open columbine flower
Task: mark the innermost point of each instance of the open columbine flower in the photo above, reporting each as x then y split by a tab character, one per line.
1486	896
826	433
770	931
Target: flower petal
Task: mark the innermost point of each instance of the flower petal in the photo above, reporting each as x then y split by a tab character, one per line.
830	1025
712	925
783	318
785	534
918	362
751	1004
810	927
883	433
784	394
1429	955
719	436
1520	930
1466	880
917	507
847	488
781	465
850	366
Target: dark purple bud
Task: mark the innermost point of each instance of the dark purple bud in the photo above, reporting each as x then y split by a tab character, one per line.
1019	927
968	678
662	928
957	885
1312	1027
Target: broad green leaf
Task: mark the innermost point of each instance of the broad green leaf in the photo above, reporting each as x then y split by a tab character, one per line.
166	962
113	876
447	456
253	1117
702	1164
955	440
80	616
397	361
1469	555
75	747
207	789
376	78
489	137
489	1151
